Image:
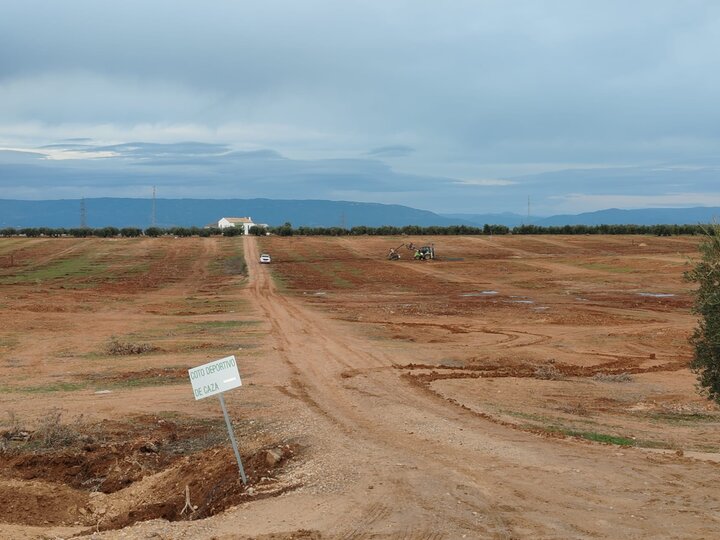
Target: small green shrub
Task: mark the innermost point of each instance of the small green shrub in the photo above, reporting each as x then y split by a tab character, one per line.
115	347
53	433
548	372
613	377
706	338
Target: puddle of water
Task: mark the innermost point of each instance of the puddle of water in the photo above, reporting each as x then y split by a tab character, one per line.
540	308
656	295
521	302
481	293
320	293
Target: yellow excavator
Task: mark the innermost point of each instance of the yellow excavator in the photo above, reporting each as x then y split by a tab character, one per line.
422	253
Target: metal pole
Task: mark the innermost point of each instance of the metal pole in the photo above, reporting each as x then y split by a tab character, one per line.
232	439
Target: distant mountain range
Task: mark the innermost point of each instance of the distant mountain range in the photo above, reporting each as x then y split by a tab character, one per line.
116	212
119	212
612	216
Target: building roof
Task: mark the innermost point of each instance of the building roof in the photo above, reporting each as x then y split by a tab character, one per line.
238	219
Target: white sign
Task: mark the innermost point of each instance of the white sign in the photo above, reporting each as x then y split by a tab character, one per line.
214	377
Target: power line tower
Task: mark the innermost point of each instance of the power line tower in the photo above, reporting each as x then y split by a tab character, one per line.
153	216
528	218
83	214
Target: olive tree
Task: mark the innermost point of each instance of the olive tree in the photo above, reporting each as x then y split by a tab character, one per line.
706	338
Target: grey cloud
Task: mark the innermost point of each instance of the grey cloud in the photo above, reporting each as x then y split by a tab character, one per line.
209	171
461	86
397	150
213	172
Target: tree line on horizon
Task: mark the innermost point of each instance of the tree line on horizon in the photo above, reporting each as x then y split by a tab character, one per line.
287	229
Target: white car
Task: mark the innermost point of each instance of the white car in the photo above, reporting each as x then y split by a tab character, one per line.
265	258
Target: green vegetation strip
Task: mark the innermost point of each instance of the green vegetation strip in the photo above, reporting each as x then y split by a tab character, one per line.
218	326
139	381
684	418
609	268
43	388
233	263
82	266
603	438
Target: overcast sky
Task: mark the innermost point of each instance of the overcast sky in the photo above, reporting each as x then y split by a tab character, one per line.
457	106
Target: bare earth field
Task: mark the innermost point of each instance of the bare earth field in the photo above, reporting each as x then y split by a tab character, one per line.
517	387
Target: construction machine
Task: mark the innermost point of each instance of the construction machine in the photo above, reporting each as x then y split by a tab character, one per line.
394	253
425	253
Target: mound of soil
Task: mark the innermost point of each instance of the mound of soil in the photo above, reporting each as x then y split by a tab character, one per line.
117	474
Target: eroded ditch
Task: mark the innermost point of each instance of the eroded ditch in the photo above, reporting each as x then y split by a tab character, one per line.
113	474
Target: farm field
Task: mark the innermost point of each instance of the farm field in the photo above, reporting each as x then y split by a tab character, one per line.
516	387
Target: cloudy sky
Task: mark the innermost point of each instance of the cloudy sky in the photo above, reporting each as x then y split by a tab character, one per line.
459	106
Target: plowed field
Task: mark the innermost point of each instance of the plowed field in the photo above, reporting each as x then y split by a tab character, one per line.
516	387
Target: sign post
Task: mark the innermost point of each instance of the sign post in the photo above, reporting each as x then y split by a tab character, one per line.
215	378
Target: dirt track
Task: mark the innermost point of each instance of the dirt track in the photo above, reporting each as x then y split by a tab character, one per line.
406	385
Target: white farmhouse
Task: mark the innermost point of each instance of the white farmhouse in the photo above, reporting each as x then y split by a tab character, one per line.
244	222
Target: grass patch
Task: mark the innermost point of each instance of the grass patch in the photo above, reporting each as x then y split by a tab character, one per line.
235	266
233	263
139	379
684	418
193	346
548	372
594	436
608	268
333	272
203	306
44	388
540	284
281	282
190	328
613	377
546	420
136	268
8	342
217	326
341	283
144	382
525	416
708	448
356	272
77	267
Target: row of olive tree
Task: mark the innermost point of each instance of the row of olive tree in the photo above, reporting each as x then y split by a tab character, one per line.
657	230
111	232
286	229
389	230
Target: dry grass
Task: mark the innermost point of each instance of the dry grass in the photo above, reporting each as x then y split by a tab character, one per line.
53	433
14	432
613	377
548	372
115	347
